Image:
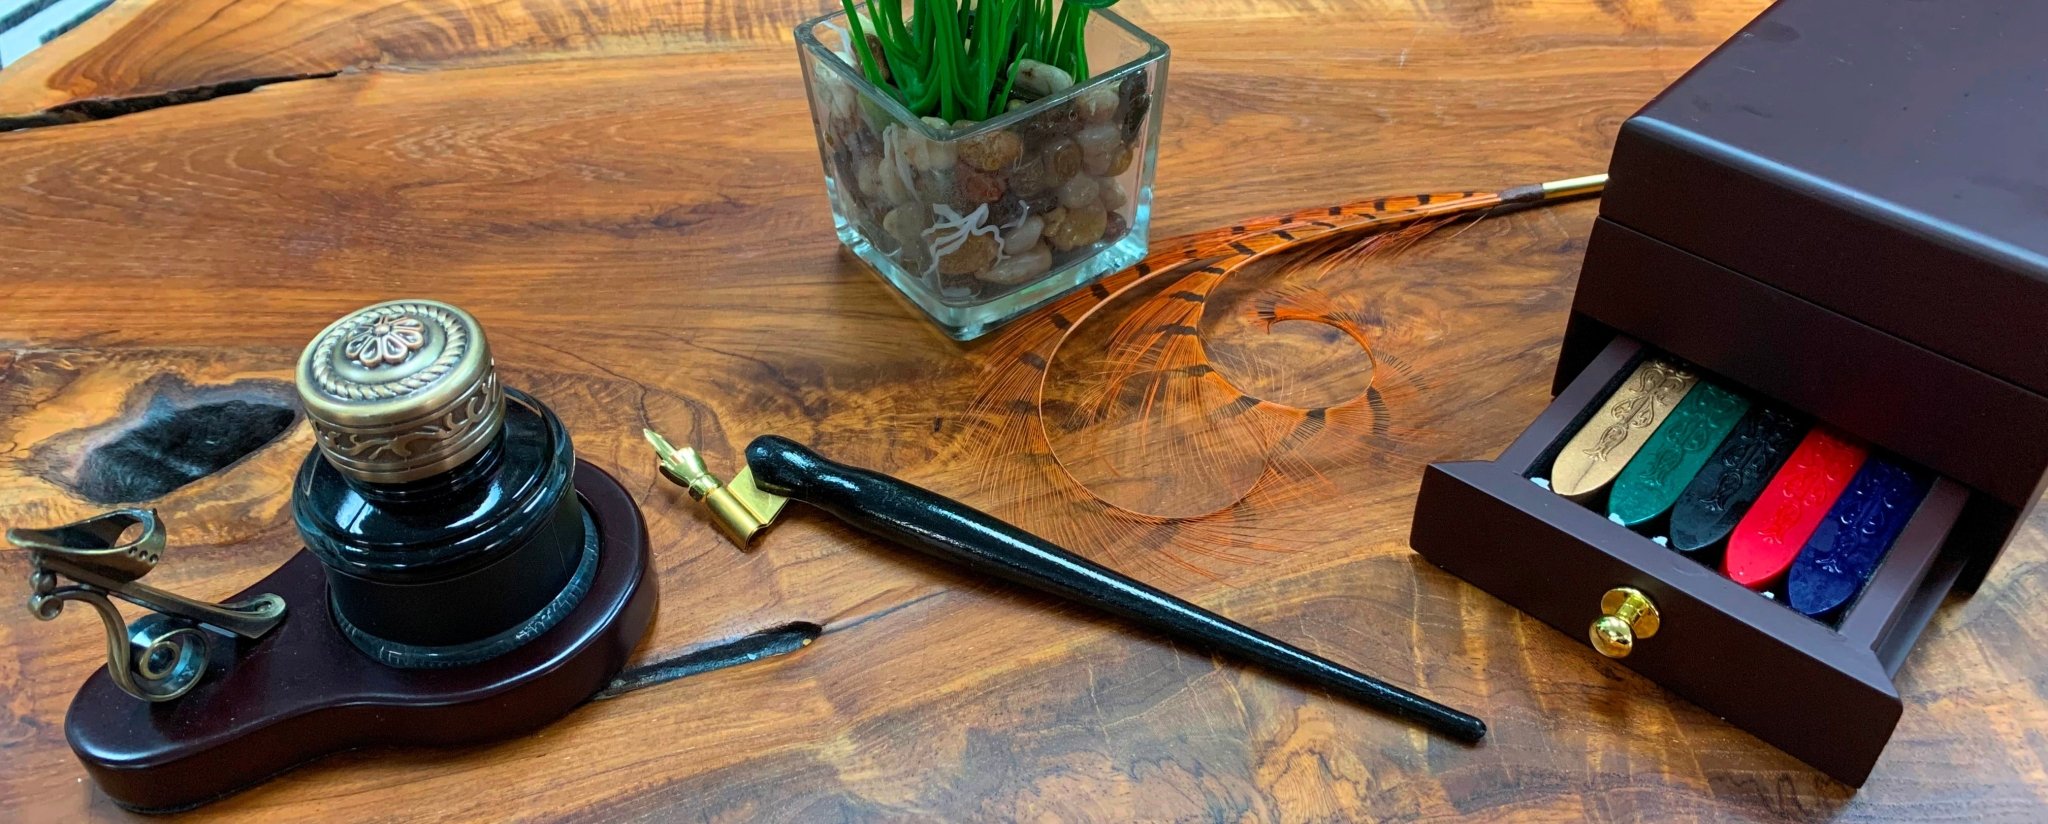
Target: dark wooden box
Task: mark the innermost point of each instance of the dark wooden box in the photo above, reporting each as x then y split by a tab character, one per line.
1845	209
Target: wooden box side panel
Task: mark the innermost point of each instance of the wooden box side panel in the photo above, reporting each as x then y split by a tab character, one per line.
1877	259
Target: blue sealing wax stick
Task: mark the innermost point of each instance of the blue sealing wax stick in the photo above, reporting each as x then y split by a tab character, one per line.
1845	549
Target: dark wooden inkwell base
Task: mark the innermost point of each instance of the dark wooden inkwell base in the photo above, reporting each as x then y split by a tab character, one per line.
1826	214
304	691
466	579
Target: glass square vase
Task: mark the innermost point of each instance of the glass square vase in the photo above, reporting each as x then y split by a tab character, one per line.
976	224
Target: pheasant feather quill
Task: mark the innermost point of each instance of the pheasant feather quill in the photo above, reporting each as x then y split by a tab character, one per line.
1161	456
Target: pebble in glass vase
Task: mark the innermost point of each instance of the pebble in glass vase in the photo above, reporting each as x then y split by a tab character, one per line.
977	223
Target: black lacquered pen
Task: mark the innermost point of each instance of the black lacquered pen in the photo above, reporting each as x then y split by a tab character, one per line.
779	469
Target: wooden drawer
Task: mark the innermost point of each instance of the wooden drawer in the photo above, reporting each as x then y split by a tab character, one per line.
1822	693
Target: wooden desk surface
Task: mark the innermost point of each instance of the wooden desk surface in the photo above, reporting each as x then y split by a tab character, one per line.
627	193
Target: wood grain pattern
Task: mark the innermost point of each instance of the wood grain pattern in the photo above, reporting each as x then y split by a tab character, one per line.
643	232
140	48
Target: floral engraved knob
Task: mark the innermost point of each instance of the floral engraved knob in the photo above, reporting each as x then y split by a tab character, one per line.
387	340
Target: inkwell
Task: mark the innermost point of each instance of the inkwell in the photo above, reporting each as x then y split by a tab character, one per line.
465	578
433	484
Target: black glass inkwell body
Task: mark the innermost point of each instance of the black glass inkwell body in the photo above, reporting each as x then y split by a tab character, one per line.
440	502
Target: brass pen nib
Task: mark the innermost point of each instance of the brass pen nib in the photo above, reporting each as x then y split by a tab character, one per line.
683	466
740	508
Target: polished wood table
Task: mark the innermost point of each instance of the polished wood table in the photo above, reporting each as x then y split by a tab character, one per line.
627	193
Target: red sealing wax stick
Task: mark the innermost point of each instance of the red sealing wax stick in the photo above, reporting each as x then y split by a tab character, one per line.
1798	497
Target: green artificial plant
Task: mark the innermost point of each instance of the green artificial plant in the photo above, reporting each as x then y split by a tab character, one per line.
958	59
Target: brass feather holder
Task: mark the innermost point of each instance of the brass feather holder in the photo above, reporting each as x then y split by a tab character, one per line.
163	654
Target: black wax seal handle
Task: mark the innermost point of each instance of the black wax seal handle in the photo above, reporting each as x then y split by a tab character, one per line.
947	529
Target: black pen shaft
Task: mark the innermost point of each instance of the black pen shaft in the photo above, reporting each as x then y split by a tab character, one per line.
912	516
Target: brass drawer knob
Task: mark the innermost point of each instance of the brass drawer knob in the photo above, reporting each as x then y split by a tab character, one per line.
1626	614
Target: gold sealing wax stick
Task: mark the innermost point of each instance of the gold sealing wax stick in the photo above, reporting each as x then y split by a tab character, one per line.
1596	454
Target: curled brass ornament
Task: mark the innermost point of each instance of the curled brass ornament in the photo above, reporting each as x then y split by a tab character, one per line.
163	654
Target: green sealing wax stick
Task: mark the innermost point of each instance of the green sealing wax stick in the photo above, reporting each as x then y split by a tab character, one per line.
1652	481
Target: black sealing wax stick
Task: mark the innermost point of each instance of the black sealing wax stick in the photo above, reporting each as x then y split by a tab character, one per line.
1844	550
1714	502
947	529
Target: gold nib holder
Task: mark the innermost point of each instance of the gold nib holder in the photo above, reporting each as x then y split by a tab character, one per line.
1627	614
162	655
1554	189
1574	187
741	509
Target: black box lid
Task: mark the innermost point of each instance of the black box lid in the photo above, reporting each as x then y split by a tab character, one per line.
1885	159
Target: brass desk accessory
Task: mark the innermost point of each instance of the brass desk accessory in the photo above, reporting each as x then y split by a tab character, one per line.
779	470
162	655
465	578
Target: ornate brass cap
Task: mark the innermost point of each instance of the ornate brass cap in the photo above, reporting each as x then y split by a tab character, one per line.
402	390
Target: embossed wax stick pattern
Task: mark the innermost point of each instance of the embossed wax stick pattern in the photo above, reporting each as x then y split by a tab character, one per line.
1650	484
1771	534
1858	530
1596	454
1734	477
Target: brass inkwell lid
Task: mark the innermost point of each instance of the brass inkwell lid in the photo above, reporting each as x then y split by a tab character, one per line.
400	391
